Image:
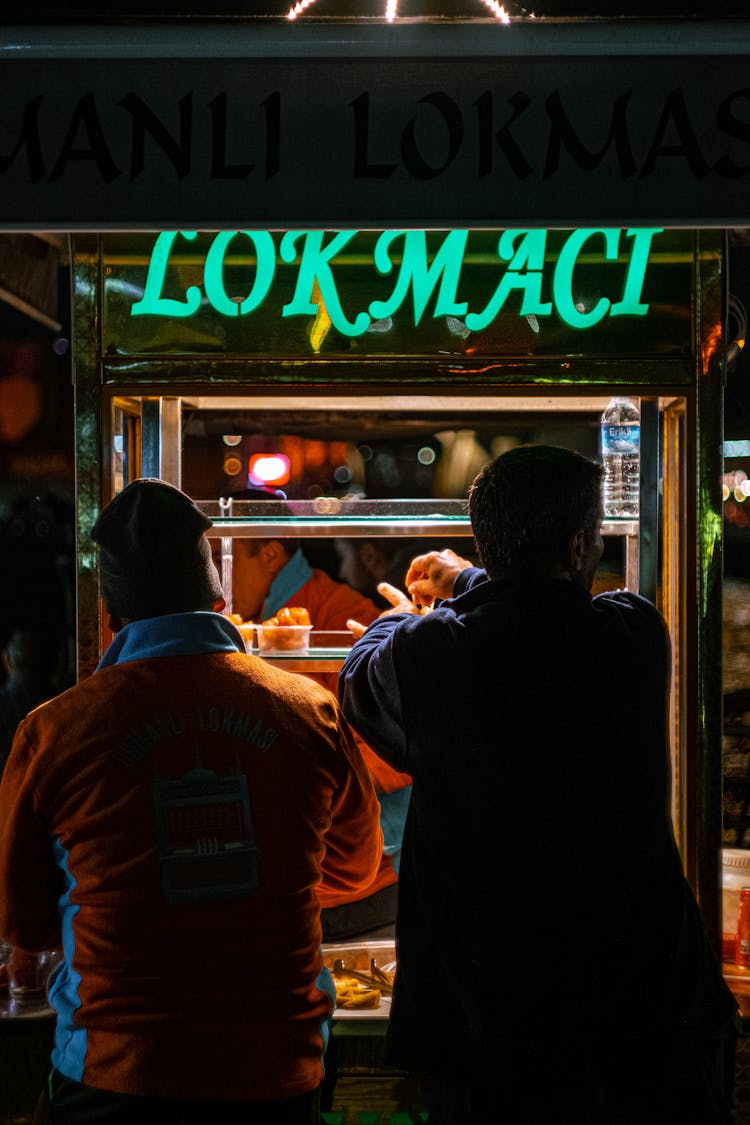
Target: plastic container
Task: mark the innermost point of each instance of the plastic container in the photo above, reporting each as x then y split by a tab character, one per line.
735	874
283	640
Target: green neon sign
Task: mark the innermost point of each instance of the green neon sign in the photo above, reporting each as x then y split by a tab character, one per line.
418	277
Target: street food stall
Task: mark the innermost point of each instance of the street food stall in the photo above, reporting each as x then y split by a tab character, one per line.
377	370
385	257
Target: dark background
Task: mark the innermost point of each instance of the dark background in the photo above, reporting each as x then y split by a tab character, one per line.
37	550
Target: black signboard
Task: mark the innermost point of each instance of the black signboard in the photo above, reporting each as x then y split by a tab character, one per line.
427	128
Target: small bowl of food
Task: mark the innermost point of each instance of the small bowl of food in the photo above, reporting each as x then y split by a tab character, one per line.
288	631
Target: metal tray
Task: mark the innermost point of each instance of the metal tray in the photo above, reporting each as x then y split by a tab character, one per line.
357	955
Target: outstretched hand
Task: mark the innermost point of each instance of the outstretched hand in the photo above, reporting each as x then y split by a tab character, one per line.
431	577
400	603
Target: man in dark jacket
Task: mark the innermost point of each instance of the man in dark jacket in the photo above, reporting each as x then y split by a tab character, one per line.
552	963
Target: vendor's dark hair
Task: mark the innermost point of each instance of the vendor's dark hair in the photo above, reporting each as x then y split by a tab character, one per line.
525	504
252	545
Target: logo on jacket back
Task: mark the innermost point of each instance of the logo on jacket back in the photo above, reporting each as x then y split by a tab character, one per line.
205	836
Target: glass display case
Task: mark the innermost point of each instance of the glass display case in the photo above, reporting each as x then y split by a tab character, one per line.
445	521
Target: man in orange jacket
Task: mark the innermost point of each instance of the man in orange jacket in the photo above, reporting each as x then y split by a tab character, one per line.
170	821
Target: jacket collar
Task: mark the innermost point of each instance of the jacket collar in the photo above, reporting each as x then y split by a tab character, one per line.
174	634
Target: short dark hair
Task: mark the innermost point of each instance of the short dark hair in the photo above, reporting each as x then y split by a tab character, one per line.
525	504
252	546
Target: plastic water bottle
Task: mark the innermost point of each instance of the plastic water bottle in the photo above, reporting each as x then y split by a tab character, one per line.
620	436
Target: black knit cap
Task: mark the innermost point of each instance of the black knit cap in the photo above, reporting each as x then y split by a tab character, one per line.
154	555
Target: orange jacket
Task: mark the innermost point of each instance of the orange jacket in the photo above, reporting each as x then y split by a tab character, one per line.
172	817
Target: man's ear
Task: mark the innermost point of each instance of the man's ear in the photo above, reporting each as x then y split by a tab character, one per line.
114	623
273	556
220	605
575	550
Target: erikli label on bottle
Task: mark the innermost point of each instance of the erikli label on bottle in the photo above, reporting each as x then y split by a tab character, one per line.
620	439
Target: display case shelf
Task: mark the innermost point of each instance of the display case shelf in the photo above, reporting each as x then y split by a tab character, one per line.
330	516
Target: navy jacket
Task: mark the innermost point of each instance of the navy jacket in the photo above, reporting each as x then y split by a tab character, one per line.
541	890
